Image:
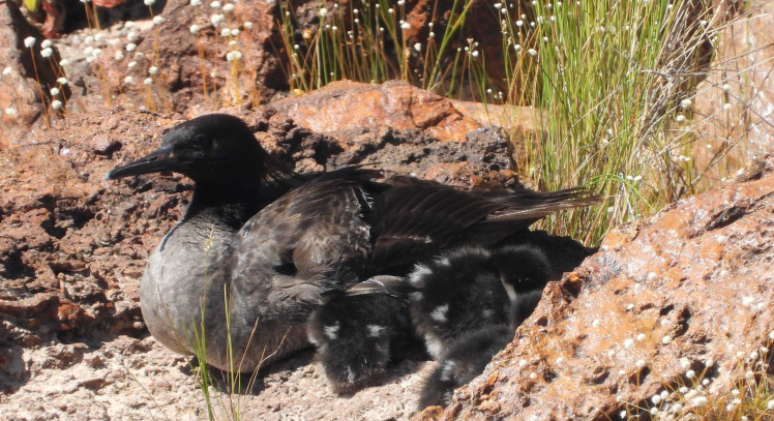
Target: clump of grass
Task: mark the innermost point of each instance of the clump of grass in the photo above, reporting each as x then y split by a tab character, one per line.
616	103
365	41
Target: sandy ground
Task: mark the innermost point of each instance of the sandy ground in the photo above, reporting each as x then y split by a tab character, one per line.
138	379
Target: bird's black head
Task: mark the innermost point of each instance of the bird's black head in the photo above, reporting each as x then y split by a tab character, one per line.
213	149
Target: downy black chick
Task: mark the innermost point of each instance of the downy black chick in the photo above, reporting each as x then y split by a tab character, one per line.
502	287
467	356
358	332
472	287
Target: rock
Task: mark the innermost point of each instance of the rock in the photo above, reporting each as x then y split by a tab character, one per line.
184	58
393	104
26	79
663	296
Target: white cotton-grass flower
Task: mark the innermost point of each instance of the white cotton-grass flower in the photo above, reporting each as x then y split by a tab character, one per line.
418	47
685	363
685	104
228	7
709	363
232	43
64	62
148	81
46	52
29	42
217	19
666	340
56	104
46	43
474	53
7	71
656	399
323	12
128	80
533	376
153	70
216	5
680	118
727	106
532	52
62	81
690	374
158	20
248	25
133	36
54	91
726	87
131	64
234	32
622	414
699	401
89	40
522	362
770	405
640	363
628	343
225	32
233	55
119	55
401	2
131	47
391	10
641	337
194	28
405	26
149	2
11	112
195	3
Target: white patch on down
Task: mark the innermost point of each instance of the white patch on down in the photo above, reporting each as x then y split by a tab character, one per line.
416	277
350	375
375	331
443	261
447	369
434	346
416	296
510	290
487	314
439	313
332	331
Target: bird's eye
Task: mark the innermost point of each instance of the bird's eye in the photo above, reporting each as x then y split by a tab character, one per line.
200	142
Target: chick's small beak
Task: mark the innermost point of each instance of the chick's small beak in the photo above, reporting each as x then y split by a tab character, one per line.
162	159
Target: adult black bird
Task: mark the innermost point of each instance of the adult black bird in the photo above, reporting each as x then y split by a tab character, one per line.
258	245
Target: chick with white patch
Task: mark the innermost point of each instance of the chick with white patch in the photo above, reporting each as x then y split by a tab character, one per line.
473	287
467	306
358	332
466	358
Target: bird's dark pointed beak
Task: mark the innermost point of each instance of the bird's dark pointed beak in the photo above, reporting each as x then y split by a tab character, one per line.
162	159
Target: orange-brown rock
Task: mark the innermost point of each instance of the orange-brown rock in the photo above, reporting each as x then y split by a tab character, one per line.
344	106
683	298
